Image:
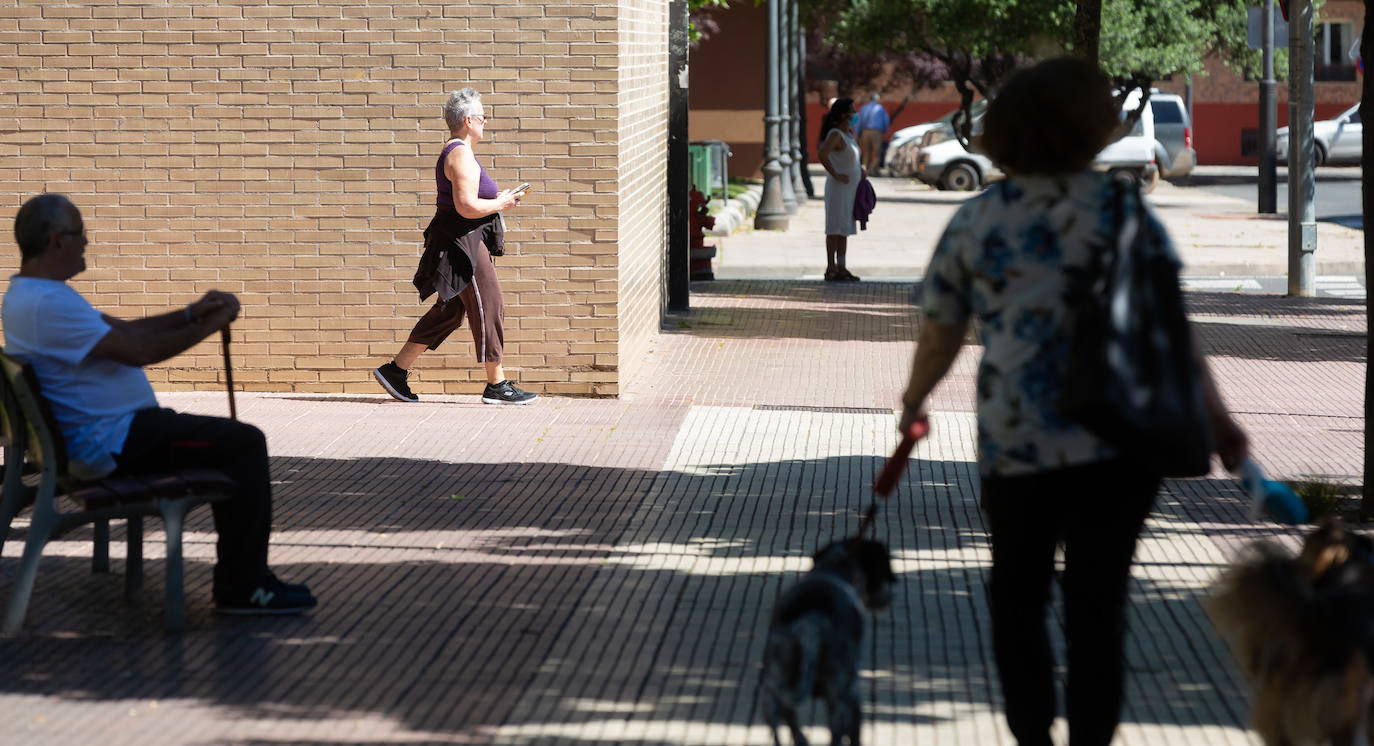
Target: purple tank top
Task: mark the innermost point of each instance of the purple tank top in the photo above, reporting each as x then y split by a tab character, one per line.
486	187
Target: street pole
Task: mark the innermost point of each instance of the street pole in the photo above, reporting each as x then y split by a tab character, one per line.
1302	217
793	93
1268	198
802	134
772	214
789	196
1188	102
679	183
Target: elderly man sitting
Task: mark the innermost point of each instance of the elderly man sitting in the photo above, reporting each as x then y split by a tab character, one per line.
90	367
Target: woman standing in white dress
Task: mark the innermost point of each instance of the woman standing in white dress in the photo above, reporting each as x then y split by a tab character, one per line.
839	154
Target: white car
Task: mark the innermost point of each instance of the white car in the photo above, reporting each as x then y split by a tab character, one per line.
1173	135
900	156
943	163
1338	140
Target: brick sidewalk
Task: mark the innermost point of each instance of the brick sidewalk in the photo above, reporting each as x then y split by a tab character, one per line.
600	571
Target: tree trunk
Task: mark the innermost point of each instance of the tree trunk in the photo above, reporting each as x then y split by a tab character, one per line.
1367	205
1087	29
900	108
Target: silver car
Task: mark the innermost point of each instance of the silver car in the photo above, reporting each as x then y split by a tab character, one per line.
1174	151
1338	140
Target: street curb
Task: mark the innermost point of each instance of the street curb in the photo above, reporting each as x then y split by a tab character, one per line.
737	211
1259	269
912	274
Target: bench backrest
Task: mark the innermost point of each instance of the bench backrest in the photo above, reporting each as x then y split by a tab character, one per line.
28	420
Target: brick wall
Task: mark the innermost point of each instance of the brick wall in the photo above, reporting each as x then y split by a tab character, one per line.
284	150
643	105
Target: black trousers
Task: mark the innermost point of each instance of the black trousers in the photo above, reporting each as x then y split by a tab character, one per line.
1097	511
161	439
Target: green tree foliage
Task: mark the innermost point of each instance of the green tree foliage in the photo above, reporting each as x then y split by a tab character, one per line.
1157	38
977	41
1140	41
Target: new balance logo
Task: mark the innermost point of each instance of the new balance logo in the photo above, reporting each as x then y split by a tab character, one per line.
261	597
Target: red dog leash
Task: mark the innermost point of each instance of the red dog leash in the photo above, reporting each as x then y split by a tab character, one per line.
892	471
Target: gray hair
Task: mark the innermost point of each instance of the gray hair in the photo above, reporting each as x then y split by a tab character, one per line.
38	219
460	106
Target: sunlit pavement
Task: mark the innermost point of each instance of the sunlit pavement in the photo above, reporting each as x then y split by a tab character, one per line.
1216	233
601	571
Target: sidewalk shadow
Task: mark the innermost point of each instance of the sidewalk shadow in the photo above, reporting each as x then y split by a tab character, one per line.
1272	327
1201	302
799	309
1285	344
531	599
1348	221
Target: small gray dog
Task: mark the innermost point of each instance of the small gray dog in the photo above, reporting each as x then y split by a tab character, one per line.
816	637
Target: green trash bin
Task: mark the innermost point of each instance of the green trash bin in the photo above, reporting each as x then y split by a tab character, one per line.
720	167
702	165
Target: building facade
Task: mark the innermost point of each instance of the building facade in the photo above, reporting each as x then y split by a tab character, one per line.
284	151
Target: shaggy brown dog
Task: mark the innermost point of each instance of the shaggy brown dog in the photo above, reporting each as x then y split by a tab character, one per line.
1301	629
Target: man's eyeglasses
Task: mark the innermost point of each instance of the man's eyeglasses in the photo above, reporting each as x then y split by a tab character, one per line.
480	117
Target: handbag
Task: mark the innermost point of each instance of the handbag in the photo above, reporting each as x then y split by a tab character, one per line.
1132	378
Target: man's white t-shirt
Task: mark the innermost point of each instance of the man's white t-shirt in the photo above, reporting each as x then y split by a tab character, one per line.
49	325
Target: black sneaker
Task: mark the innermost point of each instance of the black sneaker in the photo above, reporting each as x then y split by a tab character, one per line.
505	392
393	379
268	596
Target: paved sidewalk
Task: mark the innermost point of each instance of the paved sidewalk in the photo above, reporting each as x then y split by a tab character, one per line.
1215	234
600	571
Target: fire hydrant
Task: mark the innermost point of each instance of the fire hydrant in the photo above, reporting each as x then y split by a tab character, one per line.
698	221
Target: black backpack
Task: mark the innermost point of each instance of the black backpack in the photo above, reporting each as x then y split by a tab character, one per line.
1132	378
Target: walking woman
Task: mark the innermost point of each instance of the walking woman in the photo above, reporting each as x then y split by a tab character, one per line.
464	235
1006	258
839	155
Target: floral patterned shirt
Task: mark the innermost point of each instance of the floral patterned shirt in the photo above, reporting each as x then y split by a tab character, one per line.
1002	259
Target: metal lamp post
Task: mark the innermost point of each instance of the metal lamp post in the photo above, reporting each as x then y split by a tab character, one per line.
1268	117
1302	214
794	93
789	196
772	214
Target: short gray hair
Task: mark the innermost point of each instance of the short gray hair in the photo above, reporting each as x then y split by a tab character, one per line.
460	106
37	221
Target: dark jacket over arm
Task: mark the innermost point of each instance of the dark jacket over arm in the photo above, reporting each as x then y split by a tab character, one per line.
451	246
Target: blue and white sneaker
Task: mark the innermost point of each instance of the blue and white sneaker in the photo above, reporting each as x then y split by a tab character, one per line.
269	596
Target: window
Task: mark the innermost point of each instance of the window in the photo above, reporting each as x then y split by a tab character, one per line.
1355	117
1167	112
1331	51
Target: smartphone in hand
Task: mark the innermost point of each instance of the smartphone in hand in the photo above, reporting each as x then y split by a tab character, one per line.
520	189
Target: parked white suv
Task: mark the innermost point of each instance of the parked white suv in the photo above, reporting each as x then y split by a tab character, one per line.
1173	135
945	164
1133	156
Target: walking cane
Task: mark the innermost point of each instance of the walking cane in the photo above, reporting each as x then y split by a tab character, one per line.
228	371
